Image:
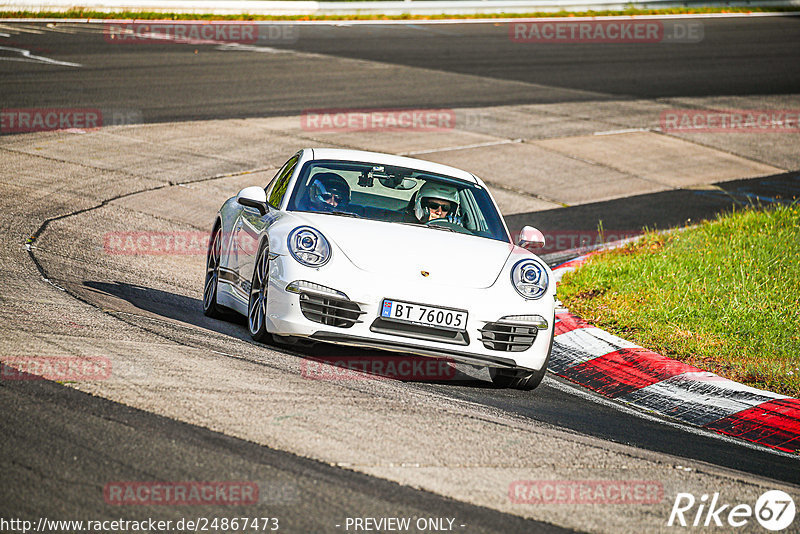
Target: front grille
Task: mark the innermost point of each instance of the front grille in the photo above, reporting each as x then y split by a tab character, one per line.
419	331
330	311
507	337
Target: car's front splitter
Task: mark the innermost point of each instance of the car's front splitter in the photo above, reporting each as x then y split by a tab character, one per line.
398	346
367	290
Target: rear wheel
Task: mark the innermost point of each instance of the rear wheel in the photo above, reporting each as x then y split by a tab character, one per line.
210	306
257	305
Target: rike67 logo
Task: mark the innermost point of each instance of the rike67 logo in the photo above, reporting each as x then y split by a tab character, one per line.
774	510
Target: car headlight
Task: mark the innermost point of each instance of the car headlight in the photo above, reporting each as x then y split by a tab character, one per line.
530	278
309	247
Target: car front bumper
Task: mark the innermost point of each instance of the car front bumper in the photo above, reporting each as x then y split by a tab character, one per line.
366	290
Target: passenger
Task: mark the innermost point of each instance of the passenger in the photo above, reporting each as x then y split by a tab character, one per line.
328	192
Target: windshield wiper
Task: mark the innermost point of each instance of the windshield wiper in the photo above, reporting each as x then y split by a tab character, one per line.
440	227
339	213
423	225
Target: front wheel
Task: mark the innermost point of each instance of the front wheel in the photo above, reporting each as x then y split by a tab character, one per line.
257	306
210	306
516	379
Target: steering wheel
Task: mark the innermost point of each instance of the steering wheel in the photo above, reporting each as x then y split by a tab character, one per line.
444	223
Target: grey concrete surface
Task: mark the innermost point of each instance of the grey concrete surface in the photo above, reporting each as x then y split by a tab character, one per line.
543	172
659	159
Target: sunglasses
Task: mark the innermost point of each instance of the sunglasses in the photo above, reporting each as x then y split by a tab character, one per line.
431	205
327	196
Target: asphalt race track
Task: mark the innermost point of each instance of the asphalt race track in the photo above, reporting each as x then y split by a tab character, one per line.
166	82
303	500
194	399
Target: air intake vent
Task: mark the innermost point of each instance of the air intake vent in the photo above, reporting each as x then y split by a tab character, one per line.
507	337
329	311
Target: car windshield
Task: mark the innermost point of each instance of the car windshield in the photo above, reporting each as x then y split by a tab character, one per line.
397	194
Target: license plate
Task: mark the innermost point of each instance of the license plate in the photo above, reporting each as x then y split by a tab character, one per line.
408	312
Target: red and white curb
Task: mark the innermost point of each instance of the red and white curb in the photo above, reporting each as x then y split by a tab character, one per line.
621	370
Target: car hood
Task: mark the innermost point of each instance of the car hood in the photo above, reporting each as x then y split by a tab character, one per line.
403	251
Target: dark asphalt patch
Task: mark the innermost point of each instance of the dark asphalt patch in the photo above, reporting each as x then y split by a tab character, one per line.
61	447
177	82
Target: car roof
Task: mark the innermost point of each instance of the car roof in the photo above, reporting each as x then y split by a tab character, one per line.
389	159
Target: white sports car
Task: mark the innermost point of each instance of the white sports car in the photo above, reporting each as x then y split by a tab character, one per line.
382	251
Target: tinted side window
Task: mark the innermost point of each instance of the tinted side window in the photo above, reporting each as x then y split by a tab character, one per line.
280	183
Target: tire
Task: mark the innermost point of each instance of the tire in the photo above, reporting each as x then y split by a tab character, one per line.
513	378
257	304
524	380
213	257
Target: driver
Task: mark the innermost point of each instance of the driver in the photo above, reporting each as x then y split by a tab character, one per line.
434	201
328	191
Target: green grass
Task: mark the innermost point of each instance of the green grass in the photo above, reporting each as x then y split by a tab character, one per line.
723	296
142	15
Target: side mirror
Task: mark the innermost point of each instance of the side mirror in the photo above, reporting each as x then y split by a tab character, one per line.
253	197
530	237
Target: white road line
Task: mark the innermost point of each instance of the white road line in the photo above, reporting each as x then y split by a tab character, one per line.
30	58
85	27
21	28
623	131
57	28
251	48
